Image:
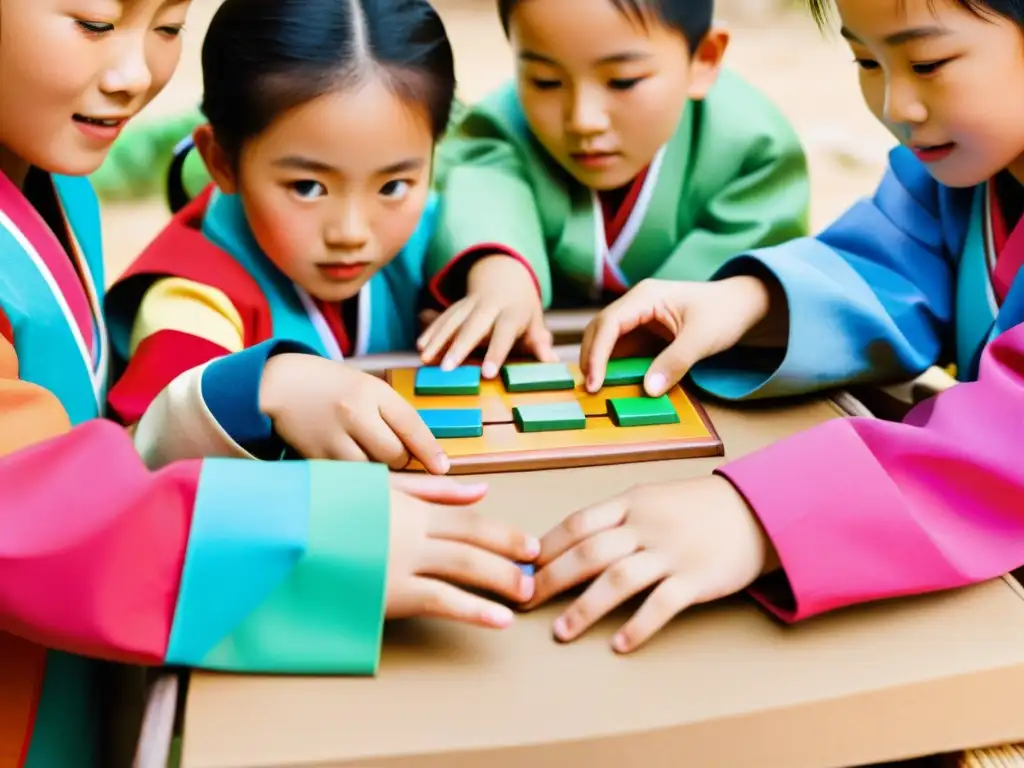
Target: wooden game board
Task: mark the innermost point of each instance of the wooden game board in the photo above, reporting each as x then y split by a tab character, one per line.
503	448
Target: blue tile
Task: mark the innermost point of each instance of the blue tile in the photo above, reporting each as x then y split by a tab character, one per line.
526	568
453	422
431	380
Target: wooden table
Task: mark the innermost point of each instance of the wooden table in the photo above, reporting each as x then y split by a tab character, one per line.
722	686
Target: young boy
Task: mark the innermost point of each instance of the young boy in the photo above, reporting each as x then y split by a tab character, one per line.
618	154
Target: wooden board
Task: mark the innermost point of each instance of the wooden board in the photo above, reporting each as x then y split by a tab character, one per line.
502	448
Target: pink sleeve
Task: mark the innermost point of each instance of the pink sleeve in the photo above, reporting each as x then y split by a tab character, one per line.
862	510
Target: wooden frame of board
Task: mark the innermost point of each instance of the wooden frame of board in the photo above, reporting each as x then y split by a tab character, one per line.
502	448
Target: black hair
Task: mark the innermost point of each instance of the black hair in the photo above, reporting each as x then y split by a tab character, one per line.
1009	9
262	58
690	17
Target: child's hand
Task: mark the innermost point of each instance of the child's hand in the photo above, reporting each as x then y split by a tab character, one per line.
502	303
693	541
328	410
437	550
698	319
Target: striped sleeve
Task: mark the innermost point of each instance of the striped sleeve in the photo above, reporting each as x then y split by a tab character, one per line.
190	386
222	564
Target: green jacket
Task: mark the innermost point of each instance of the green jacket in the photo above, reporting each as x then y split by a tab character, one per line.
732	178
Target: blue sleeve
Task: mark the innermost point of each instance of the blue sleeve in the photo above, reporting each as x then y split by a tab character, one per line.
869	299
231	390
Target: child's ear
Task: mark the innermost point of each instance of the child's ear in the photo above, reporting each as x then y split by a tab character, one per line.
217	162
706	62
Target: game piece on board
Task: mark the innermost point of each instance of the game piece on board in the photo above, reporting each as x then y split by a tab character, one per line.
431	380
453	422
549	417
642	411
537	377
625	371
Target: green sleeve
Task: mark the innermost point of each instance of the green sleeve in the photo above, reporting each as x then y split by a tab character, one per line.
137	164
766	204
486	198
286	569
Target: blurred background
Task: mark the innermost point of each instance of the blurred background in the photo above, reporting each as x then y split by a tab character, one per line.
809	74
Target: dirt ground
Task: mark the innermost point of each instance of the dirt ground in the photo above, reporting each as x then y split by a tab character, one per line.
809	75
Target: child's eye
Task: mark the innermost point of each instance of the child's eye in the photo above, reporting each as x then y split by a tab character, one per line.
623	83
930	67
396	189
94	27
307	189
170	30
867	64
544	85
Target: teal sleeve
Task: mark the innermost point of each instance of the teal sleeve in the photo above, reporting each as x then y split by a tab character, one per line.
136	166
487	202
766	204
285	569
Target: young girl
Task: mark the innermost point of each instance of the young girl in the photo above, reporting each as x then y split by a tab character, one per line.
927	270
322	121
226	564
618	154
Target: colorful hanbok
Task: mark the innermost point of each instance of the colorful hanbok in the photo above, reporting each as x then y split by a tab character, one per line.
222	564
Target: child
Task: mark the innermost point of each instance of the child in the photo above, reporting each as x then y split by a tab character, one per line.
618	154
224	564
315	233
927	270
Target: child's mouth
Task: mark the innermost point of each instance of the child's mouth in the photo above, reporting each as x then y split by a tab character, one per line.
104	128
933	153
594	160
342	272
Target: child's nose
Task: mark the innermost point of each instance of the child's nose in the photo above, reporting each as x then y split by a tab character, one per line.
129	73
587	116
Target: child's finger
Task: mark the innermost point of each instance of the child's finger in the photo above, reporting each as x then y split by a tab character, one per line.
672	364
503	339
404	423
582	563
608	326
438	490
621	581
380	441
470	566
445	601
670	598
345	448
470	335
440	332
460	524
581	525
540	341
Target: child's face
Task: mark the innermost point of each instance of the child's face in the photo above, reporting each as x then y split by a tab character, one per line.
75	71
602	93
948	84
334	188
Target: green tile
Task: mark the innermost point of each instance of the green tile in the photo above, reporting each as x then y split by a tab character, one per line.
642	411
627	370
537	377
549	417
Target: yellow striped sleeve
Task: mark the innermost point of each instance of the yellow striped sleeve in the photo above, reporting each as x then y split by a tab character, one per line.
176	304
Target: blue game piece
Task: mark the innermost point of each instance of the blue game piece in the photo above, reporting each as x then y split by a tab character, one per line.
526	568
453	422
431	380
